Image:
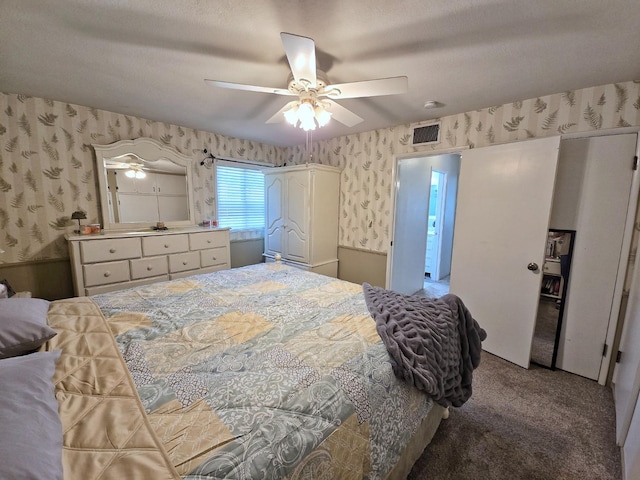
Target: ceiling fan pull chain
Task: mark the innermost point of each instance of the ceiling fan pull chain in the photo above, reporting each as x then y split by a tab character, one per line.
308	146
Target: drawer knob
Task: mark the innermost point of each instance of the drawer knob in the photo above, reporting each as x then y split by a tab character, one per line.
107	273
208	241
166	245
112	250
214	258
185	262
149	268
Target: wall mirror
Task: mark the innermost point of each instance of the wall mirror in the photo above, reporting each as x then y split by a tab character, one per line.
143	182
553	293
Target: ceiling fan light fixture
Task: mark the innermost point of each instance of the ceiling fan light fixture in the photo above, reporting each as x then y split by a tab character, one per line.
135	172
322	116
291	115
307	114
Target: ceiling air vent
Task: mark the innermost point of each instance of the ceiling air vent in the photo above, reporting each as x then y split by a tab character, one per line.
426	135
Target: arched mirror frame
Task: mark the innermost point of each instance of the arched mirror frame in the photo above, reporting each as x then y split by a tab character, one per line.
149	150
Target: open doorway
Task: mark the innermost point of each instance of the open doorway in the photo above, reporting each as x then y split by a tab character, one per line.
414	211
434	222
435	283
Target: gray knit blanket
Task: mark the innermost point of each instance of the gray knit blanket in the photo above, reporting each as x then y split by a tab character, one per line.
434	344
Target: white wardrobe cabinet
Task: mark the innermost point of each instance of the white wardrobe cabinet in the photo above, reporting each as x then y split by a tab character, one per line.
301	225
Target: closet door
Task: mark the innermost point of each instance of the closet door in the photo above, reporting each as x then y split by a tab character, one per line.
168	184
631	449
502	217
627	374
138	208
604	179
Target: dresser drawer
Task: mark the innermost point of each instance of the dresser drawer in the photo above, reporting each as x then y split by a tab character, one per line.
148	267
200	241
214	256
184	261
93	251
165	244
105	273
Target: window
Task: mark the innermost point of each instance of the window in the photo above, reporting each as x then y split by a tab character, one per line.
240	193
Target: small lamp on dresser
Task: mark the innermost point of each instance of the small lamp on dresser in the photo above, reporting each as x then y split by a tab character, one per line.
78	215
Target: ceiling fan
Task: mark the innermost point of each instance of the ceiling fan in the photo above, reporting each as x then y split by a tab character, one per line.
131	168
315	104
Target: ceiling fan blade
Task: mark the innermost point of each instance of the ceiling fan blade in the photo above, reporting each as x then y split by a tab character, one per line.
250	88
301	54
278	117
368	88
341	114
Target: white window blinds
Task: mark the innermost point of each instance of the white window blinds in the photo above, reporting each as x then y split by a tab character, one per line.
240	193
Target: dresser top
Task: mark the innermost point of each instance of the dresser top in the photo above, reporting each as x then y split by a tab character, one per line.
74	237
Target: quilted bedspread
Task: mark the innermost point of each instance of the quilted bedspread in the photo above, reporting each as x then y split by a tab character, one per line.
106	433
265	371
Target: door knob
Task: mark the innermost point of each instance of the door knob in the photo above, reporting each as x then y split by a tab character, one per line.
532	266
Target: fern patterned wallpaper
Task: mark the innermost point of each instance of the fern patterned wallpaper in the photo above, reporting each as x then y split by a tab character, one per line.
367	158
47	168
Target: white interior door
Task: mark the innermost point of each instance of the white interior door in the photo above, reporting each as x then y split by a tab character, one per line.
604	180
413	178
504	204
631	450
627	375
138	208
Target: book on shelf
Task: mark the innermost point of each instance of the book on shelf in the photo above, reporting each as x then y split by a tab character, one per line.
551	286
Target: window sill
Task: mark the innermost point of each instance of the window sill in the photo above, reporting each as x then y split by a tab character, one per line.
246	234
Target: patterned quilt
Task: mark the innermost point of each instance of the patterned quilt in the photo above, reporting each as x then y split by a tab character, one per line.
265	371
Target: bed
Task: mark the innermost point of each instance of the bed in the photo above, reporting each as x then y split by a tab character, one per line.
264	371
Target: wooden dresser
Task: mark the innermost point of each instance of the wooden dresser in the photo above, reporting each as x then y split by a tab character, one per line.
116	260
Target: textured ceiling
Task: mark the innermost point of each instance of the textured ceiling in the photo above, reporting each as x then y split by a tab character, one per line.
149	58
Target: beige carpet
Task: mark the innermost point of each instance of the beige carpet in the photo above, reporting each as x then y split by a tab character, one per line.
520	424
